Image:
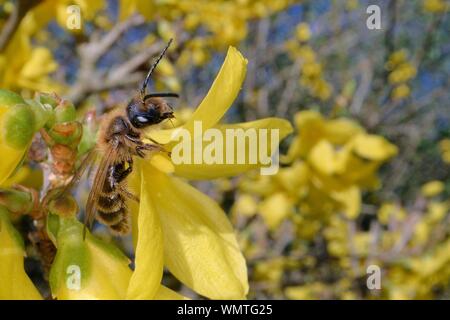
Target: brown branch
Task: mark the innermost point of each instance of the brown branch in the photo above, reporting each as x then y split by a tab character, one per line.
89	79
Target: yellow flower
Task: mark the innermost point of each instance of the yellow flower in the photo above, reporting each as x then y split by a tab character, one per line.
435	6
303	32
14	282
186	230
390	211
401	92
305	292
245	205
275	209
432	188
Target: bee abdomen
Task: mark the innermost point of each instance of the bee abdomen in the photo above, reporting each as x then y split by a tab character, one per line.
112	217
110	202
123	226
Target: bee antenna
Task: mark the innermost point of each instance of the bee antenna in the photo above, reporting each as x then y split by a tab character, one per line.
152	68
171	123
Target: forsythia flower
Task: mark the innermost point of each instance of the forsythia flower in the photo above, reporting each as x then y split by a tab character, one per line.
435	6
400	72
432	188
311	75
184	227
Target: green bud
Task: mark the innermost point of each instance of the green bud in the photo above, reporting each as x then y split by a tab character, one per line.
47	98
42	113
72	252
16	201
18	126
9	98
63	206
66	133
65	112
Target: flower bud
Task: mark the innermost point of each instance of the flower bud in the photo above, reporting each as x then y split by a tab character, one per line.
16	130
65	112
85	268
16	201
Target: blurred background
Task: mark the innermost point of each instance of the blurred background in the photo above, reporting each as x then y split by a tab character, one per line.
365	177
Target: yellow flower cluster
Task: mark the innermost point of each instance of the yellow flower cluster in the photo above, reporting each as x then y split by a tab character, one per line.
311	75
23	65
419	263
331	163
222	23
400	72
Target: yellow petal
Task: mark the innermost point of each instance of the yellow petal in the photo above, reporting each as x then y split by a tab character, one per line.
350	200
432	188
339	131
162	163
294	178
165	293
324	158
200	247
249	151
372	147
147	274
221	95
40	64
275	209
14	282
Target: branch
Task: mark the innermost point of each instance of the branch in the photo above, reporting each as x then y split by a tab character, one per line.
89	79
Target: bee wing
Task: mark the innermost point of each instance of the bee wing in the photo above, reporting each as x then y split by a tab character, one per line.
87	162
100	176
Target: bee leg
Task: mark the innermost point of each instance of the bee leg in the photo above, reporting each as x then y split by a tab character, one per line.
119	173
154	141
134	139
149	147
128	194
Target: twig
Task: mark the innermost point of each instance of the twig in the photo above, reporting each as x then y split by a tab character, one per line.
364	87
89	79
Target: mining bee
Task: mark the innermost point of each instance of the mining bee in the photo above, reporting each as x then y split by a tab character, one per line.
119	140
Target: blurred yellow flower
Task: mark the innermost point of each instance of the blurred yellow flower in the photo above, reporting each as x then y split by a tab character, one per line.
435	6
303	32
432	188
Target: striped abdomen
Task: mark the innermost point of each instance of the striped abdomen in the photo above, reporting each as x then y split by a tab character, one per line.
111	208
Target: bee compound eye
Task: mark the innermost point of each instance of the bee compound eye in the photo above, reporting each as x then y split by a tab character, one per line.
142	119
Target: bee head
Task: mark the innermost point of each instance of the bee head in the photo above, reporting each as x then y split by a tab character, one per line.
148	111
